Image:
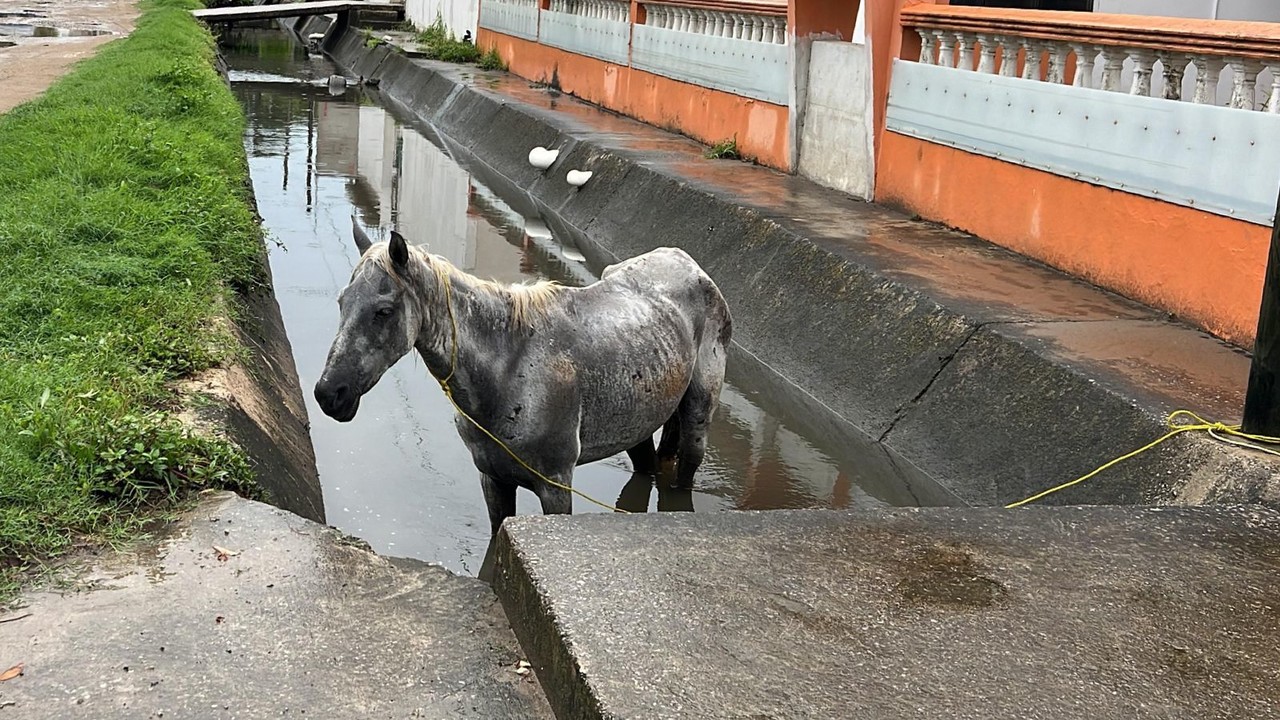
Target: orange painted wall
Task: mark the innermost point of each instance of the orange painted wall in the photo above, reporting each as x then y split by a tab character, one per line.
1206	268
701	113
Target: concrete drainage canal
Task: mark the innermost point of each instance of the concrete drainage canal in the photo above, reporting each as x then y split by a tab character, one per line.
398	476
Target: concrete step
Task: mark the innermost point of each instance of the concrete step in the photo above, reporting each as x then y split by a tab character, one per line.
296	621
1048	612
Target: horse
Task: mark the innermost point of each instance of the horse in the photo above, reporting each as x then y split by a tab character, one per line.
544	377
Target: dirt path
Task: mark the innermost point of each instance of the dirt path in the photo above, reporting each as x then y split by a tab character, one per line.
49	36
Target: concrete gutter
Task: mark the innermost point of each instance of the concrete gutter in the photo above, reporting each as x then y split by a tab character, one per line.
990	375
294	620
963	613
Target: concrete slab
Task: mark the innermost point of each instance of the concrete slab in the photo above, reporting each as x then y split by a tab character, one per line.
937	613
295	622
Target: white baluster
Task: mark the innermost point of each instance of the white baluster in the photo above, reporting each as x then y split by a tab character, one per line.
1031	63
1143	65
1244	84
681	23
987	60
1174	68
928	47
965	42
757	28
1273	102
660	16
1085	55
1009	55
1057	63
1112	66
946	47
1208	70
780	30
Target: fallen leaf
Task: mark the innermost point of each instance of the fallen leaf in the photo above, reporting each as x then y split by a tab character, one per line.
523	671
223	553
11	673
523	664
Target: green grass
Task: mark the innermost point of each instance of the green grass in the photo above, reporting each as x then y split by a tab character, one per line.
724	150
439	43
125	224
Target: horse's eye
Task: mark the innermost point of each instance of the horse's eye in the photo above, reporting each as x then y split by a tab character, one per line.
385	312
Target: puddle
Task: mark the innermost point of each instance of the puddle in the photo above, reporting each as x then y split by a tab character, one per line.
398	476
47	31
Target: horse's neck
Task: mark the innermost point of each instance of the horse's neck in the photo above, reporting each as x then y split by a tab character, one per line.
461	339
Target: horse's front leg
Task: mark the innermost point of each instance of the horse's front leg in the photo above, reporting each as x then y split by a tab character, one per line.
556	499
500	497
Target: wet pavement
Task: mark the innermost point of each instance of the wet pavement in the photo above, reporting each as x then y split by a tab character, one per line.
398	476
246	611
961	613
41	39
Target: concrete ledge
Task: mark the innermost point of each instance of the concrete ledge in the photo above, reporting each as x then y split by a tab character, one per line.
960	360
1062	613
295	621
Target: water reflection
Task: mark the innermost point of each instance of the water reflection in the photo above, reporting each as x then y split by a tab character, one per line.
398	475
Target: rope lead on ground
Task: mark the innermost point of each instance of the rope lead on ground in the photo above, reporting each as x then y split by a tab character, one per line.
1179	422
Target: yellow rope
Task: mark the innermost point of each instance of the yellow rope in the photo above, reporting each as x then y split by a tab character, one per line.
1230	434
448	392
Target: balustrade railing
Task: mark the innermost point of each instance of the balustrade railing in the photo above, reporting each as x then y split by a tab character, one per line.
1155	59
761	26
613	10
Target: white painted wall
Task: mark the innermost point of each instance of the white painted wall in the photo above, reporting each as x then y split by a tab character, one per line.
836	141
1267	10
459	15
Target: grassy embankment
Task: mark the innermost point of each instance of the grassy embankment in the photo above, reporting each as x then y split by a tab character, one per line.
126	227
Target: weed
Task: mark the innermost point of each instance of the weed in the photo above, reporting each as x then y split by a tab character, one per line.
439	43
491	60
724	150
125	228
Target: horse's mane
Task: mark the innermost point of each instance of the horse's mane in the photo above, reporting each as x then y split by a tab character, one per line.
528	302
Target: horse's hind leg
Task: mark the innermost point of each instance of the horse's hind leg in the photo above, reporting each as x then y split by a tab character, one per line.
643	459
694	416
501	499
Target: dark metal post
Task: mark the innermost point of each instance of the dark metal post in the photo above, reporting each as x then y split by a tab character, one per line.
1262	399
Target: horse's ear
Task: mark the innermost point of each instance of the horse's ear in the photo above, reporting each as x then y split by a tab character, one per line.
399	250
362	240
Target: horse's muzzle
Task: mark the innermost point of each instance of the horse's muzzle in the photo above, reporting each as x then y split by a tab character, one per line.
338	400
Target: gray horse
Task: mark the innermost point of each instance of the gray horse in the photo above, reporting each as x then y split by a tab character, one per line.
562	376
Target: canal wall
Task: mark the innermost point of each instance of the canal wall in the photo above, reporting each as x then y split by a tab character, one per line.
992	394
257	401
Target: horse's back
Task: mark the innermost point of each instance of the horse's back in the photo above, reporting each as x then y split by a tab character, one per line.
669	272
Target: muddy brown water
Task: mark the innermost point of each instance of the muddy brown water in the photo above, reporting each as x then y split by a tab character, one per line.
398	475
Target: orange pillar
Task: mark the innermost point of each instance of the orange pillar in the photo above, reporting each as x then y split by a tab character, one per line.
884	32
815	17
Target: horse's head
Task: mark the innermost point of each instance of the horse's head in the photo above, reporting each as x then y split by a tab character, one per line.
378	324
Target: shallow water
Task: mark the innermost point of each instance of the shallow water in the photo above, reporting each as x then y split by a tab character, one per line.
398	475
